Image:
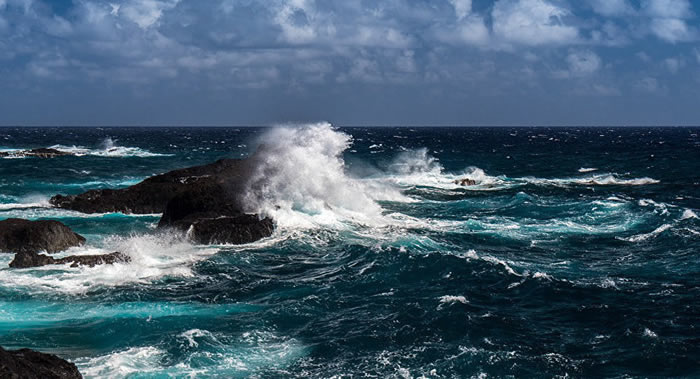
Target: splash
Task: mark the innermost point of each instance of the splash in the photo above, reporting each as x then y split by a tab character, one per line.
301	181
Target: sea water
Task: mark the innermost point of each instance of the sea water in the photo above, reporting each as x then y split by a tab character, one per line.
573	253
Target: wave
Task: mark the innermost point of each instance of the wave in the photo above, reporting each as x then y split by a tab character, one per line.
301	181
246	354
153	257
107	148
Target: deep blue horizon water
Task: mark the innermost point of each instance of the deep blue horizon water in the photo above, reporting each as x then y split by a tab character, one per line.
574	254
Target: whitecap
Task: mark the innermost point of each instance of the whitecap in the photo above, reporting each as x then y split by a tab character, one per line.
447	299
587	169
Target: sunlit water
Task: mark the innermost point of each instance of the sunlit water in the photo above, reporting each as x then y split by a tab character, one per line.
575	253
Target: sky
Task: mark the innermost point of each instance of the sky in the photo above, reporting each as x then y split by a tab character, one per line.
350	62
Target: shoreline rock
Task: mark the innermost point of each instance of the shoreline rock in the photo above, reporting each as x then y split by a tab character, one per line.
204	201
152	194
30	364
30	260
24	236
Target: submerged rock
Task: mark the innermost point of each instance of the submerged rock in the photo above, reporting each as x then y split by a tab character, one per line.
29	260
24	236
465	182
38	153
30	364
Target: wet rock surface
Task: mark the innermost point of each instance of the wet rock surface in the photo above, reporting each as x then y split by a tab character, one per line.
30	364
24	236
30	260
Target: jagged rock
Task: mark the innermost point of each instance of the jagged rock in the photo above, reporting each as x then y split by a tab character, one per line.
30	364
29	260
230	230
24	236
209	216
153	194
43	152
465	182
205	201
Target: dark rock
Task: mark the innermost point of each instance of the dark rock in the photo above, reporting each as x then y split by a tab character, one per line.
153	194
38	153
465	182
29	364
210	215
24	236
234	230
205	201
29	260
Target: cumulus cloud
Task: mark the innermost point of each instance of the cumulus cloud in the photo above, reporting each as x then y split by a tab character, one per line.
145	13
532	22
669	19
462	7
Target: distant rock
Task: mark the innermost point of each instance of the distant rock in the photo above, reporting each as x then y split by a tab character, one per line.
38	153
24	236
465	182
30	260
30	364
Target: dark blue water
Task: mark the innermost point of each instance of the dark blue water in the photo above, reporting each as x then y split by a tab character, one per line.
576	252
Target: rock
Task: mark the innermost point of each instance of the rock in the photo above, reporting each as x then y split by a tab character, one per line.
465	182
38	153
205	201
29	364
29	260
210	215
230	230
24	236
153	194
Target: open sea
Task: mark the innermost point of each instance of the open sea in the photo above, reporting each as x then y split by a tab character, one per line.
576	253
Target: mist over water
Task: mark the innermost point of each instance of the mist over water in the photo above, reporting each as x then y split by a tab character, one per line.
571	252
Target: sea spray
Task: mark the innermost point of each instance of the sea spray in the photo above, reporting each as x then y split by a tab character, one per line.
301	180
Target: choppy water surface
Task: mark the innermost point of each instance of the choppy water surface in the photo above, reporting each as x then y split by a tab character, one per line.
576	253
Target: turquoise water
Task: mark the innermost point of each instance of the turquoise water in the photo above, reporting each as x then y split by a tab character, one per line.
575	253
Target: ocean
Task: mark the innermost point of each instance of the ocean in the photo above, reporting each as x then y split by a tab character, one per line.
575	252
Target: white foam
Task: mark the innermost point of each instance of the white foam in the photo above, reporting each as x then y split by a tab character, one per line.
137	360
688	214
646	236
152	258
587	169
301	181
243	355
26	202
447	299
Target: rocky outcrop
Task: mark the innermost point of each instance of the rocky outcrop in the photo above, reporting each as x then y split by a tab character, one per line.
152	195
38	153
29	364
210	215
24	236
29	260
204	201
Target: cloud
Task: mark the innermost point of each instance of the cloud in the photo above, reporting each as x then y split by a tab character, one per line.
584	62
532	22
668	19
462	8
145	13
612	8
